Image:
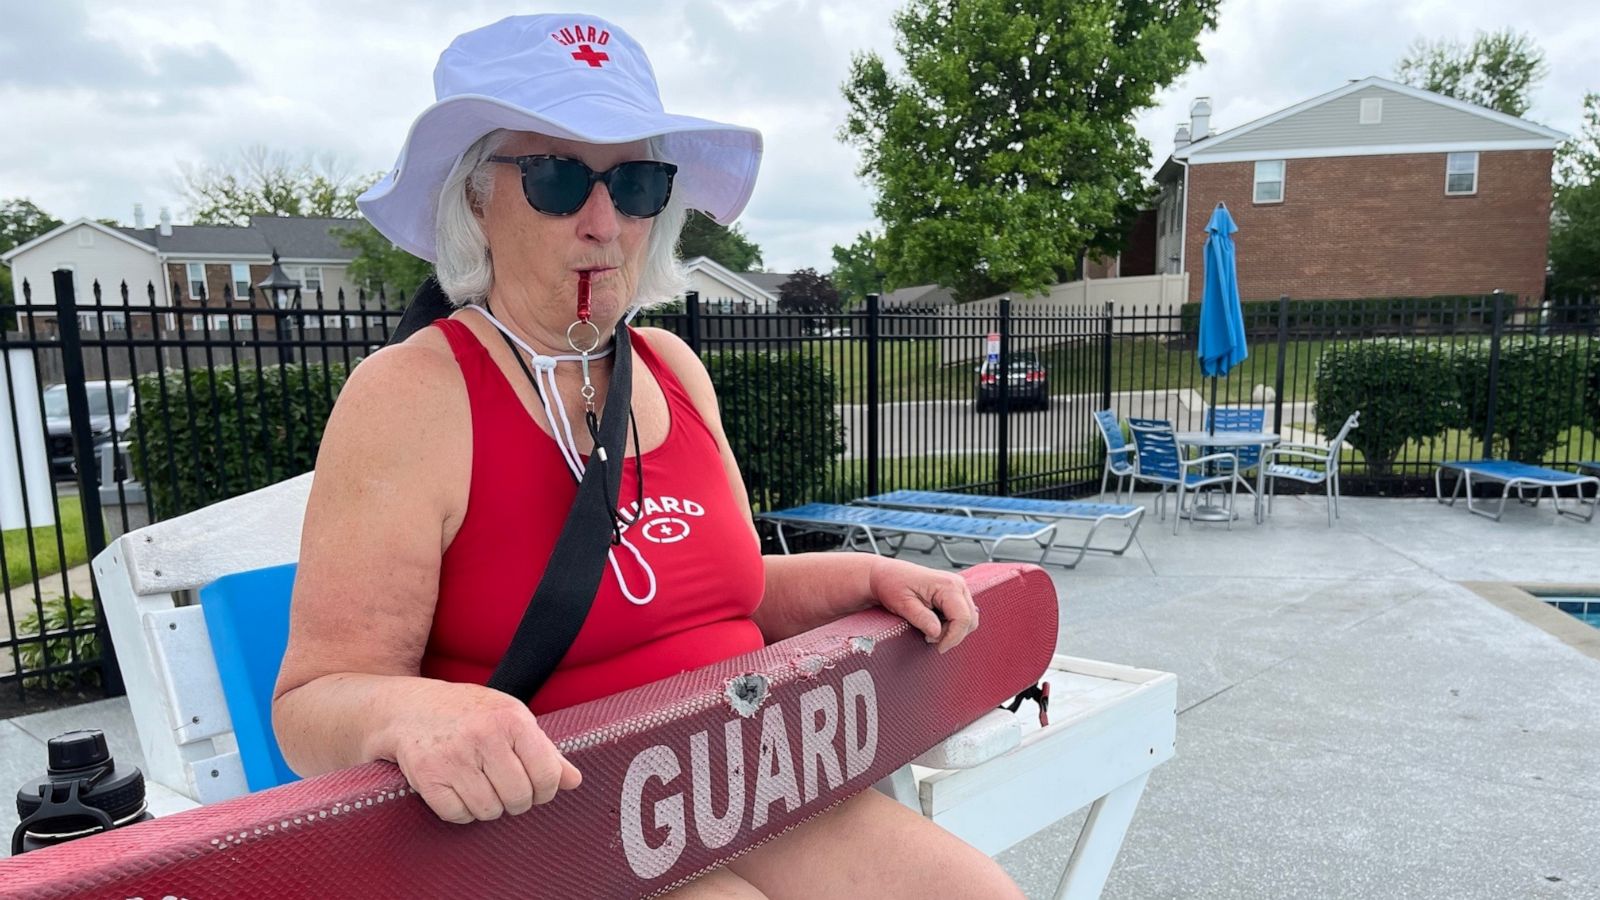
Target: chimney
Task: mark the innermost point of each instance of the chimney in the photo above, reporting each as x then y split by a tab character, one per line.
166	222
1181	140
1200	119
138	215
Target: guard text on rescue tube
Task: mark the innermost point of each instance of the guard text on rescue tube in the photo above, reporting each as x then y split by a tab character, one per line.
826	751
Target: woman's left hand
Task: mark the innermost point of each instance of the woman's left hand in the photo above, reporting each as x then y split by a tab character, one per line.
923	597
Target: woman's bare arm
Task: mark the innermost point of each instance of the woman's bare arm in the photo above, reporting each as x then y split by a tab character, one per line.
369	558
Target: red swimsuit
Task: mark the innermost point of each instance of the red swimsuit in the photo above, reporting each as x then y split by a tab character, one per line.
696	538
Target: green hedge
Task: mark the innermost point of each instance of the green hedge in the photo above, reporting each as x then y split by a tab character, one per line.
1540	393
1394	315
211	434
782	423
1405	391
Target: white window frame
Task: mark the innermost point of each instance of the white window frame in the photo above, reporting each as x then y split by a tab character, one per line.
244	322
1258	181
197	322
219	321
1450	160
116	321
188	270
1372	110
241	285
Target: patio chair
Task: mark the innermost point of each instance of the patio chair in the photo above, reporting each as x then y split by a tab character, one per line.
1030	508
1237	418
1293	460
204	718
1519	477
1119	453
1161	462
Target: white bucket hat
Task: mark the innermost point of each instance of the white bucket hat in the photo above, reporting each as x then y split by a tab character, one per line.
570	76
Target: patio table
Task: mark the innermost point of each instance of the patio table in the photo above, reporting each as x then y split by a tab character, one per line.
1228	440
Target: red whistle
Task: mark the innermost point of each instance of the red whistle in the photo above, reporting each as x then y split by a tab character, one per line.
583	296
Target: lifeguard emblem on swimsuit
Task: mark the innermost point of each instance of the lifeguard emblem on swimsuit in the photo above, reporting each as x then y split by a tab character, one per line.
670	523
586	38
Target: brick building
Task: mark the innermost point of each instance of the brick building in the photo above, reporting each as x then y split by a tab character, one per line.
1376	189
204	273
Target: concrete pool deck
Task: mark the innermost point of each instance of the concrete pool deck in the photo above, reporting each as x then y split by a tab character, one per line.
1356	717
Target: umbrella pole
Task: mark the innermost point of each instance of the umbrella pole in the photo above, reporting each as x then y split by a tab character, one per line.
1212	412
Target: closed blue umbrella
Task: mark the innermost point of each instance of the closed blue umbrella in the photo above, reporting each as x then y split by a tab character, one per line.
1222	342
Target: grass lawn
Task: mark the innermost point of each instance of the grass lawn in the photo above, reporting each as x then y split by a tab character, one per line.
1422	457
70	521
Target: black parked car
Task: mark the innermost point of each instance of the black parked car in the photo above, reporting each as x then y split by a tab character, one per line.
1029	384
102	415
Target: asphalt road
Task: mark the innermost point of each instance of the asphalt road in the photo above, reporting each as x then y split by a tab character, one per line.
955	427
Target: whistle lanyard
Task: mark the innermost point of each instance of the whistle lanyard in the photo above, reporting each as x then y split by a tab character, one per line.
543	377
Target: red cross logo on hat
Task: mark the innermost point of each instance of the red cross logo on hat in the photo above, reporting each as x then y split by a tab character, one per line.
587	54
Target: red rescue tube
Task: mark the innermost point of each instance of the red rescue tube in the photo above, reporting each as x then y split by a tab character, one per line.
679	777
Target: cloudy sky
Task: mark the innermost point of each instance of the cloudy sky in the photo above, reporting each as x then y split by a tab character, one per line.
101	99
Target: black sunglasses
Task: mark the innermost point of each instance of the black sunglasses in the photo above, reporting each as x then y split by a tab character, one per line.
559	186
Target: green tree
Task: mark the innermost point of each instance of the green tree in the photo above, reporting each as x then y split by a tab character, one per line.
727	246
1008	145
1498	69
806	291
855	269
258	181
379	263
20	222
1575	227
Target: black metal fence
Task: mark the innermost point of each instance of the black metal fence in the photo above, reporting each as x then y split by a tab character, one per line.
245	386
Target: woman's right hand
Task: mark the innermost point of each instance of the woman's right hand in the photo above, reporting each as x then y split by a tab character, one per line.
474	753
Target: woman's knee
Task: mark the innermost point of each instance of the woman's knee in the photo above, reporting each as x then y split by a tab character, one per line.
718	884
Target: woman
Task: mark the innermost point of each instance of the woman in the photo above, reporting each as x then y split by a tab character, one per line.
447	467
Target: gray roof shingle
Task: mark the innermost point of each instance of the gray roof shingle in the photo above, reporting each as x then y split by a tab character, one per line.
305	238
294	237
767	281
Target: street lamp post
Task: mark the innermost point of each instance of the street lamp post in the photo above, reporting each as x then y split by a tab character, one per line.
283	293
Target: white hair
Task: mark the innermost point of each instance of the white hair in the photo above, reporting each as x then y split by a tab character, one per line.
465	268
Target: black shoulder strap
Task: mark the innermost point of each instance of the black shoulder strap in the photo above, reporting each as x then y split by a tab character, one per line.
427	304
572	574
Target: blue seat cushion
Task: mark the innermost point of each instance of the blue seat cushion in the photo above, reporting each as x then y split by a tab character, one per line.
247	616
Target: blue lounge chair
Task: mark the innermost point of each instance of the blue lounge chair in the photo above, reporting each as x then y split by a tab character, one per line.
1119	453
973	505
886	530
1518	476
1161	462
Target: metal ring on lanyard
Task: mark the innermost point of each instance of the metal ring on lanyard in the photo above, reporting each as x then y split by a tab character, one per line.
594	345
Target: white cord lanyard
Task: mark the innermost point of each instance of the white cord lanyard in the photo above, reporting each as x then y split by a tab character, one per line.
544	368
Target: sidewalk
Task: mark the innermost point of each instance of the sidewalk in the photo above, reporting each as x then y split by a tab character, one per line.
1354	719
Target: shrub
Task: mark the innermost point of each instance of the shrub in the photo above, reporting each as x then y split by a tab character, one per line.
1367	315
1539	395
1404	391
1591	387
61	648
209	434
782	423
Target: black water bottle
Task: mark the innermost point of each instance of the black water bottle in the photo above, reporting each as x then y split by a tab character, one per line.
83	792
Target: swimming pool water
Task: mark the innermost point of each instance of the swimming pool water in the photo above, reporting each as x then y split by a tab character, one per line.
1584	609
